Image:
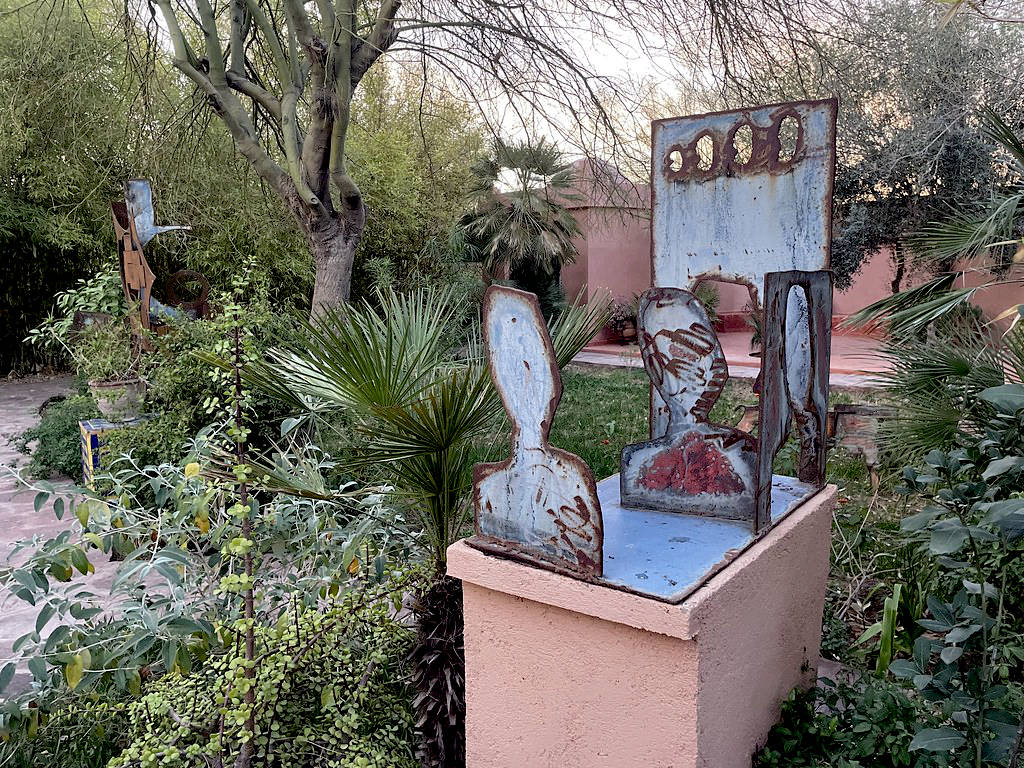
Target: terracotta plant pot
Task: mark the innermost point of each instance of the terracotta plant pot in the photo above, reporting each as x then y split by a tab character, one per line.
118	400
629	332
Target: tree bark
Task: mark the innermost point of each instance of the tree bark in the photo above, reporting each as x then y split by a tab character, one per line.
333	254
333	237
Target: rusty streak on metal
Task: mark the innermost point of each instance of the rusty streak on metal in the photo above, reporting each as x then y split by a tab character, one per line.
797	330
696	467
541	503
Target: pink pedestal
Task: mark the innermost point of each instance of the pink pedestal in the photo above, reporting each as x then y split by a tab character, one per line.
562	673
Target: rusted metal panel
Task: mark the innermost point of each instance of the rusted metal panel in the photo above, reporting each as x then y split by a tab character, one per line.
541	502
696	467
738	222
797	331
735	221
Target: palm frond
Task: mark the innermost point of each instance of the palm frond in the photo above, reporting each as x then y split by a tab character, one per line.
971	233
906	308
937	382
575	326
1002	134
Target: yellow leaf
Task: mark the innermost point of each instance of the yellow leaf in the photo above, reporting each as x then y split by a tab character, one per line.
82	513
203	523
191	470
94	540
74	670
353	567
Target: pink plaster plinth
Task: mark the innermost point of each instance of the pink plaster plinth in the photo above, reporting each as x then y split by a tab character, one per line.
567	674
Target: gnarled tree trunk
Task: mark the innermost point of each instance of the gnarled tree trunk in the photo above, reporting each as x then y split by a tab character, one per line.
333	257
333	237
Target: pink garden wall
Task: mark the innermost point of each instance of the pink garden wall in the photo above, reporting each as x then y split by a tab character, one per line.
615	256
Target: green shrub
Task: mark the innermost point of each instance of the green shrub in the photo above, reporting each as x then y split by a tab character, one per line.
58	441
866	724
100	293
328	691
75	731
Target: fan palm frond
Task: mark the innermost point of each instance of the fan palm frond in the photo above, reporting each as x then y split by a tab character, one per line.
938	380
909	310
420	407
528	224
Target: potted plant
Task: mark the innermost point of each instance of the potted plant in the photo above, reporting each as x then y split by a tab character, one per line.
622	320
105	356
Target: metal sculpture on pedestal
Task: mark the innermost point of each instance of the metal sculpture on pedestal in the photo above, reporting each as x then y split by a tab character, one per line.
542	501
688	501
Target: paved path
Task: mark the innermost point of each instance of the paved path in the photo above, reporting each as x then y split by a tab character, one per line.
854	359
19	409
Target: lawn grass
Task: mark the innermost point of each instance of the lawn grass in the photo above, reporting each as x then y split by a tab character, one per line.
604	409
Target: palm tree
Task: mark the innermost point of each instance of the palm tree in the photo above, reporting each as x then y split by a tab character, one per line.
518	219
987	237
423	405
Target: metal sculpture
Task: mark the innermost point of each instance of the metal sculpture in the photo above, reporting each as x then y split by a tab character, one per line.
689	500
696	466
541	503
138	197
718	217
794	377
134	227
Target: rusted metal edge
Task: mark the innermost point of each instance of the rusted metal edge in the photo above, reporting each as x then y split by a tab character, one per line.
780	405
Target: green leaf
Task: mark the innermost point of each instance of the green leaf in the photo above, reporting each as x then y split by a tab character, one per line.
1007	398
946	541
74	671
904	669
937	740
44	616
974	588
921	519
959	634
80	561
327	697
40	500
37	666
6	675
951	653
1002	466
922	652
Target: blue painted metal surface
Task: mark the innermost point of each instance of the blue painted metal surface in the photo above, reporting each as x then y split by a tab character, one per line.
540	503
666	555
138	195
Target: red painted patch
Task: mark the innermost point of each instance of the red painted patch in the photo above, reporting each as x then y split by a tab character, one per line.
694	465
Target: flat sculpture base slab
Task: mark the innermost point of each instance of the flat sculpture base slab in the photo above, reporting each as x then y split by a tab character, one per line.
668	555
566	673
